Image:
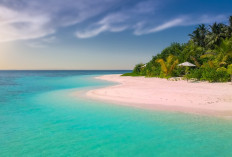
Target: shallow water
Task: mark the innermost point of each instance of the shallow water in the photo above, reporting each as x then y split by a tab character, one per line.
39	116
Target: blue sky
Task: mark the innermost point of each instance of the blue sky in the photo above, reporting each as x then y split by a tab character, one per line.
99	34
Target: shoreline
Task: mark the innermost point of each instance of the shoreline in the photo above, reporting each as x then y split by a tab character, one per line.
214	99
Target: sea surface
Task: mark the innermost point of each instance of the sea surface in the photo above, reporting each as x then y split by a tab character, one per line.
40	116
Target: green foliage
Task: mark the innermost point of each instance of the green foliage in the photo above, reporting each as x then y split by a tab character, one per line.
222	75
214	37
224	52
209	48
199	35
130	74
192	53
174	49
178	71
168	66
215	75
138	68
195	73
229	69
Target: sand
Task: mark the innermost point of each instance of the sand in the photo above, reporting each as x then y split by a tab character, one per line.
162	94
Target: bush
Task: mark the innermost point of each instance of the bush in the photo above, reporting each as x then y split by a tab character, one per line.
195	73
179	71
215	75
156	71
138	68
222	75
229	71
130	74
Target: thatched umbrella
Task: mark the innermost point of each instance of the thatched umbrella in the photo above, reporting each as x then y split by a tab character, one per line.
186	64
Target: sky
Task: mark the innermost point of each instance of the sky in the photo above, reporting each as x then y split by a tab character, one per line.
97	34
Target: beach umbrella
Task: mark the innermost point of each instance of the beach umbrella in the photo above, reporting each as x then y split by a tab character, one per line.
187	64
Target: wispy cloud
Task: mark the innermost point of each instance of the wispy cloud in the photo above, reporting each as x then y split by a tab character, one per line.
92	32
140	28
20	25
22	20
110	23
120	20
167	25
42	42
175	22
143	19
27	20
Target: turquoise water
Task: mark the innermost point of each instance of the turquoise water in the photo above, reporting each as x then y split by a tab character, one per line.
39	116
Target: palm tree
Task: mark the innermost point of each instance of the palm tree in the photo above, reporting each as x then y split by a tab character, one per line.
198	36
168	66
224	51
230	21
229	28
195	36
203	32
220	55
217	33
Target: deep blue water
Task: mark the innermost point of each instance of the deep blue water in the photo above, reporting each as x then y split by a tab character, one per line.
39	116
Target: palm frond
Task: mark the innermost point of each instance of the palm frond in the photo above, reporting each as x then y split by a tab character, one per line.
163	66
195	61
173	66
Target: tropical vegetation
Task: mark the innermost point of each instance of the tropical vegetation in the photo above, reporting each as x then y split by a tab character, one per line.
209	48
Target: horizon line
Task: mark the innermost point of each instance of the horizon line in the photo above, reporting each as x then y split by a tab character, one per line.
65	69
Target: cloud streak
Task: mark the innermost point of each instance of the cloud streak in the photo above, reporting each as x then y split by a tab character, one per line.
139	19
120	20
19	25
110	23
38	20
175	22
27	20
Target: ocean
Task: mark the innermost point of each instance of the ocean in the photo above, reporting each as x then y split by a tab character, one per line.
40	116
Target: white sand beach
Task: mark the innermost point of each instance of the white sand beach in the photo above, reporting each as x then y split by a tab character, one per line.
162	94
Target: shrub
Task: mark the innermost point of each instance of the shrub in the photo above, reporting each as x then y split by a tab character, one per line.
215	75
195	73
222	75
209	74
179	71
130	74
229	71
138	68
